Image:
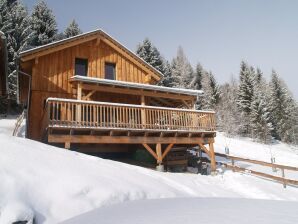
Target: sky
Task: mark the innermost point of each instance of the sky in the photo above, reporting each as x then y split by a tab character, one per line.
218	34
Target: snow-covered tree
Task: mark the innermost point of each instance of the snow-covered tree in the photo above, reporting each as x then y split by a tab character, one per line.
16	25
211	91
182	72
198	76
245	96
43	24
261	120
167	79
72	29
283	109
149	53
5	25
246	86
228	116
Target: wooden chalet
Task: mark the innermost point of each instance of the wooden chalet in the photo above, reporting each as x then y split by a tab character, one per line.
90	90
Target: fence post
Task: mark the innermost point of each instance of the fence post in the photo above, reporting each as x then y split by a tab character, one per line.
283	176
233	164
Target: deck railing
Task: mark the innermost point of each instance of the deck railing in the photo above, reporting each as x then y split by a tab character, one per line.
93	114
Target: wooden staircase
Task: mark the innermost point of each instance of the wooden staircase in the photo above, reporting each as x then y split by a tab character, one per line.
19	123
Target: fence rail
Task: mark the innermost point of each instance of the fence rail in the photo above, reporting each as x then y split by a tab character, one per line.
281	179
74	113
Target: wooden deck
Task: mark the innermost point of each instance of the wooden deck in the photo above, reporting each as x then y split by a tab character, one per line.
102	115
75	121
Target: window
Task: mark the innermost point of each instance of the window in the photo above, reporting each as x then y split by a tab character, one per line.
81	67
110	71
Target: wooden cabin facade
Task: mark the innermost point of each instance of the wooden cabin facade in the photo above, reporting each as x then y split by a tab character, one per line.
90	89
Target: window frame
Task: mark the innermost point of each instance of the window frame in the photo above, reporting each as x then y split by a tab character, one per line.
115	66
75	64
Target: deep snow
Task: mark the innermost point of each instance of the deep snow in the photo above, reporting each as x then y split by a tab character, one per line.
56	184
193	210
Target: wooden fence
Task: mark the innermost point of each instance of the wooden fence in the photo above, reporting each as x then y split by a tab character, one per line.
281	179
73	113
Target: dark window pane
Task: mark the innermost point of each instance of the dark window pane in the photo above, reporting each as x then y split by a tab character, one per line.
110	71
81	66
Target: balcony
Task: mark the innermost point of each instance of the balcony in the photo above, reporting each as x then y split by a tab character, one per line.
75	114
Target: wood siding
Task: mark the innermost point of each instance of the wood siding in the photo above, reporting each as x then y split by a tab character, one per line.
51	74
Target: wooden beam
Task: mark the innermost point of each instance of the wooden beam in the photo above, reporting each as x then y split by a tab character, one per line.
204	148
158	153
212	157
79	91
87	97
98	41
143	112
79	97
67	145
150	151
57	47
102	88
167	150
57	138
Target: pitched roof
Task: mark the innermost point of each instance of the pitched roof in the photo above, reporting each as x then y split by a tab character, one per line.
37	50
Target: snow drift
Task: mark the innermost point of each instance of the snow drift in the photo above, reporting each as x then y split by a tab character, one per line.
55	184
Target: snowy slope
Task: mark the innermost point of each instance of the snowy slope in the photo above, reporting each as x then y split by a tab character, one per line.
56	184
193	210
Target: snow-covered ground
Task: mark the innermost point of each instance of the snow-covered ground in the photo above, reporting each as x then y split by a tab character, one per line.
193	210
55	184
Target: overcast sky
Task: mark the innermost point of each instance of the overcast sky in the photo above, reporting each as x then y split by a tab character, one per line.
218	34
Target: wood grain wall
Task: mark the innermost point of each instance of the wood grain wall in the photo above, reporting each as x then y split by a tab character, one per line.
51	73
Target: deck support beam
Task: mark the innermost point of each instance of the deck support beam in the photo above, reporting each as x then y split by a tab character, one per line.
94	139
159	153
67	145
167	150
210	153
150	151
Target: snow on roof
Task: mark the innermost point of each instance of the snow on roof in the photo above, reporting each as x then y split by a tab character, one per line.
136	85
97	31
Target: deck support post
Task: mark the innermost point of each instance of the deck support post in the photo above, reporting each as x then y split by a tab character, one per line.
212	158
159	153
159	166
67	145
211	155
79	97
143	112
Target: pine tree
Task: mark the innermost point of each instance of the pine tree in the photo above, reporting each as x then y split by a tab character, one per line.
167	79
259	75
283	109
198	76
245	96
211	91
260	114
16	25
245	92
149	53
5	25
72	29
43	24
182	72
228	116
